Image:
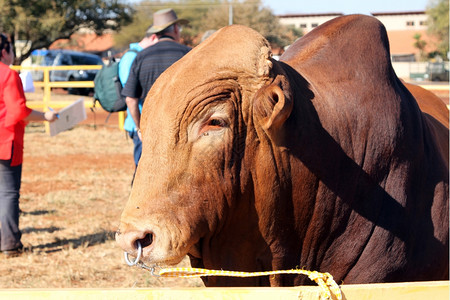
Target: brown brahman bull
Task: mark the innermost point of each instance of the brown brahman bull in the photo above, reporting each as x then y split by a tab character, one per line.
321	161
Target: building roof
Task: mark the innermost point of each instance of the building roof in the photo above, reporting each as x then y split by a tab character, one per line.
86	42
379	14
375	14
310	15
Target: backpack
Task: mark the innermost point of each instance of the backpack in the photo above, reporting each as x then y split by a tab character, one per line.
108	88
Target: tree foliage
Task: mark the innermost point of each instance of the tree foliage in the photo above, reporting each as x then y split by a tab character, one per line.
438	24
135	31
41	22
420	44
210	15
251	13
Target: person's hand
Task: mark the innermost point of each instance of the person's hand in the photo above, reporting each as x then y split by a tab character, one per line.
139	134
51	116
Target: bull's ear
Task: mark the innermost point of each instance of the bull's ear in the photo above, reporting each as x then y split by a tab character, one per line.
273	104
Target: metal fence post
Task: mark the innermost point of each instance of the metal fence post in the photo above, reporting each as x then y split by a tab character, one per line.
47	95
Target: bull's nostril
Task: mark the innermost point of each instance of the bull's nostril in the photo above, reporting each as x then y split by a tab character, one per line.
147	240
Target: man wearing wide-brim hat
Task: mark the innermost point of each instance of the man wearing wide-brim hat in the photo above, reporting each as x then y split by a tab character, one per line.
164	18
154	60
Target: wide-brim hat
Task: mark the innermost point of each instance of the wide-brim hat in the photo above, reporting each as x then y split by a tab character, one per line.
164	18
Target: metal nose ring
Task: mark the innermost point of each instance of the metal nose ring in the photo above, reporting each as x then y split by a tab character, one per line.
139	253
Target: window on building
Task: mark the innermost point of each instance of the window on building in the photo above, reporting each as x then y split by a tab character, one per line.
303	25
409	23
423	23
314	25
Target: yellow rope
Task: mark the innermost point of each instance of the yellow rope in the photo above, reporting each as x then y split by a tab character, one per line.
324	280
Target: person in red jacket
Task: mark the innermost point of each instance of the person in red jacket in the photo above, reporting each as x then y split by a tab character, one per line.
14	115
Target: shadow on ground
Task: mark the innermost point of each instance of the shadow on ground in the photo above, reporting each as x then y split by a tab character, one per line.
83	241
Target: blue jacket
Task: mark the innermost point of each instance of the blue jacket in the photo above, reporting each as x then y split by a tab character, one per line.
124	70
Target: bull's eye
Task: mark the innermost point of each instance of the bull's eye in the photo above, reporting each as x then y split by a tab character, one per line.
212	125
213	121
216	123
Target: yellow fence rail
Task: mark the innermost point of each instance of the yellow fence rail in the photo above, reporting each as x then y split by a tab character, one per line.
436	290
48	85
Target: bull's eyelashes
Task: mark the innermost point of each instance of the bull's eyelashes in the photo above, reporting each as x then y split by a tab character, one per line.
213	124
216	122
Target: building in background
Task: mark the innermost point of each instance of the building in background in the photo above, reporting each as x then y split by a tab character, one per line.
306	22
401	28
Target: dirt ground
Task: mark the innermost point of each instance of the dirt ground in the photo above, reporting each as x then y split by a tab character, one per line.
74	187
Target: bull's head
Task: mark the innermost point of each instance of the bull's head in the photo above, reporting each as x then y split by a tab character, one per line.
204	123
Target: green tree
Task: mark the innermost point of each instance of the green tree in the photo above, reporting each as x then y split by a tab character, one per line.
438	24
41	22
420	45
193	10
253	14
134	31
207	15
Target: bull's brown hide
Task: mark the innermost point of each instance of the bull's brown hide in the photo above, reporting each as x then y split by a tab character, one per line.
321	161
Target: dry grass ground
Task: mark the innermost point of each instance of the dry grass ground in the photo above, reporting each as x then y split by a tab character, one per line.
74	187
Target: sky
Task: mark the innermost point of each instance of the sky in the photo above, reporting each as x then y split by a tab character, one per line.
344	6
280	7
